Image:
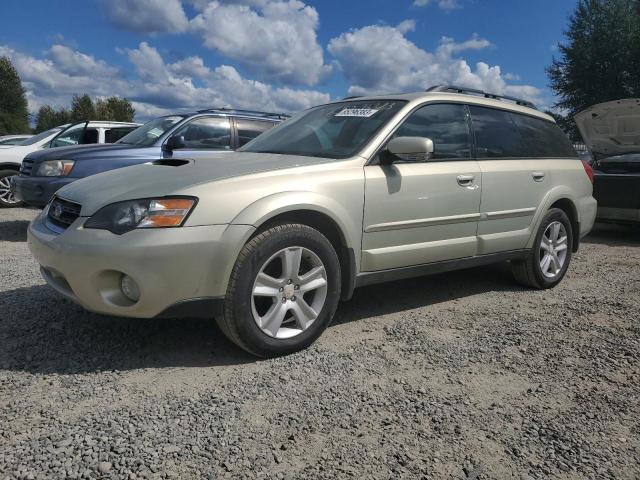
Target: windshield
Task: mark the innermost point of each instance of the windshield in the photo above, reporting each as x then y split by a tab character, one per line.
337	130
148	134
41	136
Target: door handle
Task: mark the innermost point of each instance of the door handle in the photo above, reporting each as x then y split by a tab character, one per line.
537	176
465	180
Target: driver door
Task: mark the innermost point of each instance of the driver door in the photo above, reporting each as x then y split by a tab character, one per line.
424	212
202	136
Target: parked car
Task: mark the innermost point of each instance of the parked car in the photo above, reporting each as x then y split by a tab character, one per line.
365	190
611	130
64	135
10	140
189	135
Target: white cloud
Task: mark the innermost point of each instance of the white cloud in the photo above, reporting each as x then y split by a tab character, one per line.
380	59
276	39
157	88
147	16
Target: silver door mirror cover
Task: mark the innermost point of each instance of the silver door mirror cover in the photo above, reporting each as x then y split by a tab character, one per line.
411	149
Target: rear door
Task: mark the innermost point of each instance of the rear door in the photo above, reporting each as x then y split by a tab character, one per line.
518	157
424	212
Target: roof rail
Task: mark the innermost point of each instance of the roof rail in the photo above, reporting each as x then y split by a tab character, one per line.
473	91
253	113
351	97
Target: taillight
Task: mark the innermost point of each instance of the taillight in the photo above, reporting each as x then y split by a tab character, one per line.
588	169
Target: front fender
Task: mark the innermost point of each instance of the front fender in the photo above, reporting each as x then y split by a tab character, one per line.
349	221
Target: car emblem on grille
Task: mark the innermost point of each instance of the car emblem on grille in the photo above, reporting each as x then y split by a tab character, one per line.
57	210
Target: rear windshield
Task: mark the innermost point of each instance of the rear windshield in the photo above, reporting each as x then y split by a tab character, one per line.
338	130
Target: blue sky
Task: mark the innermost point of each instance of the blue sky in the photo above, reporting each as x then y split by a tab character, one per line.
284	55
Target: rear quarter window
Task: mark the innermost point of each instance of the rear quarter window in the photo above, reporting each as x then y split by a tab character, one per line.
544	139
250	129
112	135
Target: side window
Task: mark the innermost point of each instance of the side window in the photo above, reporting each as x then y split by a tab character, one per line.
543	138
112	135
207	133
76	136
250	129
496	134
445	124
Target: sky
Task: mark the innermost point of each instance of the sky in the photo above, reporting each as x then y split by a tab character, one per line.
277	55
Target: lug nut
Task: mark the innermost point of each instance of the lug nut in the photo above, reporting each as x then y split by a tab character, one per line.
284	299
281	289
293	298
297	287
289	281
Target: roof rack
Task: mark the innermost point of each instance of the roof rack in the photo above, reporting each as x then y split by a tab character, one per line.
473	91
253	113
351	97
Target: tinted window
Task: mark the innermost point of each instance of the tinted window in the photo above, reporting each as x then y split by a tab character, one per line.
250	129
75	136
114	134
337	130
496	134
445	124
543	138
207	133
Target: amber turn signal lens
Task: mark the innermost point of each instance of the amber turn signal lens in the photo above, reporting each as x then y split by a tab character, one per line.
169	212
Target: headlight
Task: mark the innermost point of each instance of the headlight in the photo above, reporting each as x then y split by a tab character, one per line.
123	217
55	168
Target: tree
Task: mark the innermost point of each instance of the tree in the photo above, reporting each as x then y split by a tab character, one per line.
600	60
47	118
116	109
82	108
14	115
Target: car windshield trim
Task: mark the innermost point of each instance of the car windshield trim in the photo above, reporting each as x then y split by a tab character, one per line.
336	130
41	136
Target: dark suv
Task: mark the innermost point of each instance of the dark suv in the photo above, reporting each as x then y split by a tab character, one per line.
189	135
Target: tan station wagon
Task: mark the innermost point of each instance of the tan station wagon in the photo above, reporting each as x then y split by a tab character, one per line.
267	240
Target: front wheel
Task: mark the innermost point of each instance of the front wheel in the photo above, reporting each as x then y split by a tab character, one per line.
549	259
7	199
283	291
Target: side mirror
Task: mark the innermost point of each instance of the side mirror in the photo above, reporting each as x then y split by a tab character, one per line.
174	142
411	149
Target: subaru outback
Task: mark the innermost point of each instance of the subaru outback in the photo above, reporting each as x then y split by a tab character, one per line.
267	240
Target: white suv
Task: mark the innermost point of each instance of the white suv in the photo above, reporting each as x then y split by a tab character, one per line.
63	136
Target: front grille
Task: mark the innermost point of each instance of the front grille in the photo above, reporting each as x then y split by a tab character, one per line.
63	213
27	167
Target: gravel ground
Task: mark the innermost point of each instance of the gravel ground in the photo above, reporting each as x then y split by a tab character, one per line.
460	375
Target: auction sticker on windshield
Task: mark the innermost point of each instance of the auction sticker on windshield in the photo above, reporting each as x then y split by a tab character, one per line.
356	112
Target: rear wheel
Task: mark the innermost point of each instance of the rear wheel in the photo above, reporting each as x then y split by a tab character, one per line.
549	259
7	199
283	291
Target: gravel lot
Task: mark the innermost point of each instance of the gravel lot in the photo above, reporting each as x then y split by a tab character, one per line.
460	375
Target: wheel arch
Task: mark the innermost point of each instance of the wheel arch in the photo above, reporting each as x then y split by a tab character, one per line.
568	207
564	199
316	211
10	166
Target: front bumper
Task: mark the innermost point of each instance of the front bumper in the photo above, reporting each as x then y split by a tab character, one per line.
37	191
172	266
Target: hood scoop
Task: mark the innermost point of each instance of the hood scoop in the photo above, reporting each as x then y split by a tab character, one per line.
171	162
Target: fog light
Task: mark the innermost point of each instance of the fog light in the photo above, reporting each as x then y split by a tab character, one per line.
130	288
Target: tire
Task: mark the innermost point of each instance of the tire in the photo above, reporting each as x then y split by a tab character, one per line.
6	199
529	272
254	304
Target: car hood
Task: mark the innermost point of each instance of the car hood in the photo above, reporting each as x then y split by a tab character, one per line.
611	128
93	151
163	177
16	152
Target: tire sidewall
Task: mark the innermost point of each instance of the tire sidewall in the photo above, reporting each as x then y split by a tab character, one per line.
552	215
240	300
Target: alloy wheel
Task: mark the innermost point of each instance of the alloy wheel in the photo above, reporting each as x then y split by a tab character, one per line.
6	195
289	292
553	249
